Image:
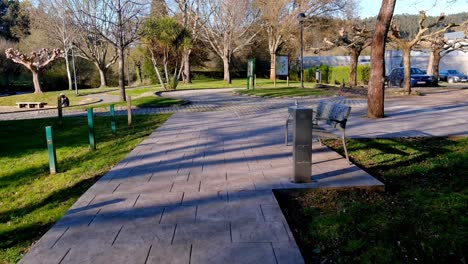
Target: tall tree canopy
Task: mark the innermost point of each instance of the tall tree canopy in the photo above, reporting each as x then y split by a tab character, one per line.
14	19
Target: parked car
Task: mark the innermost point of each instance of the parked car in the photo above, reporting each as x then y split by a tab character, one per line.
418	77
452	76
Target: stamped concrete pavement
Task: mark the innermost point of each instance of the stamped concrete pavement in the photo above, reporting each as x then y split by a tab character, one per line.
199	189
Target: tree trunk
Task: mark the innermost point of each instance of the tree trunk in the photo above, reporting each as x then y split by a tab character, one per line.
430	65
407	69
121	74
138	72
37	84
165	70
186	61
69	75
353	72
272	66
376	95
155	65
227	72
102	75
436	64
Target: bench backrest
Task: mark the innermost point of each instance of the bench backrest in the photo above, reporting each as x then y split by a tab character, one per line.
335	115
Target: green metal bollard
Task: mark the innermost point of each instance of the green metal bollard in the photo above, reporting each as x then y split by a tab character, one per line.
113	125
51	149
92	142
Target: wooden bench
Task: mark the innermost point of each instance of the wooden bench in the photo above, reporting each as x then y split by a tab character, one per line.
30	104
328	118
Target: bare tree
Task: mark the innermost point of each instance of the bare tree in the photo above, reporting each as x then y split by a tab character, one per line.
54	19
376	95
118	22
279	19
227	28
407	45
439	47
91	44
354	44
35	62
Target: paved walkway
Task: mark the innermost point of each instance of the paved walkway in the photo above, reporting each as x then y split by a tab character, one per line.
199	189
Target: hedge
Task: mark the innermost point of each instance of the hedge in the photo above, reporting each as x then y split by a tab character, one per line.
338	75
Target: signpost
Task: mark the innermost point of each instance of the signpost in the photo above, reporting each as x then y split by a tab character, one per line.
282	67
251	74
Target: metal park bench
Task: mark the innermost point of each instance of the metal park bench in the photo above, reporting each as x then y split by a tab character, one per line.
30	104
328	118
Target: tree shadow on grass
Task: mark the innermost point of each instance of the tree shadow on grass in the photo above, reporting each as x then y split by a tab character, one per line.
414	220
21	234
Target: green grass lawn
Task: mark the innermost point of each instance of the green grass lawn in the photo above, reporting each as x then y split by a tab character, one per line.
289	92
51	97
142	102
282	89
139	90
31	200
421	216
219	83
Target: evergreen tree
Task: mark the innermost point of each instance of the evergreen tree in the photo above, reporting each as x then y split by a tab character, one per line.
14	19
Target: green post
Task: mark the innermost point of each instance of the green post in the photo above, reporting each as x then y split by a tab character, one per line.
51	149
251	74
59	111
92	142
113	125
254	75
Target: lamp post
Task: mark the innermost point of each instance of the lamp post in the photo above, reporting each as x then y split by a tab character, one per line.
74	68
301	17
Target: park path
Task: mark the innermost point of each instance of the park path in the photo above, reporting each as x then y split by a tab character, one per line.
198	190
442	112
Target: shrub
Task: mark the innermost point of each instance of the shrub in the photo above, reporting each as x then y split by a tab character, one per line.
309	75
173	82
294	76
340	74
363	72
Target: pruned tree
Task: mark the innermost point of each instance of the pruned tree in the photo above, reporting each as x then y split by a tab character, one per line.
227	28
440	47
117	21
375	94
279	20
35	62
407	44
353	44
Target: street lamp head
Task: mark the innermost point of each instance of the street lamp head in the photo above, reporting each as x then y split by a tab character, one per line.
301	17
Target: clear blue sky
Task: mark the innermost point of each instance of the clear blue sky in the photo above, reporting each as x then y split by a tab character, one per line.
432	7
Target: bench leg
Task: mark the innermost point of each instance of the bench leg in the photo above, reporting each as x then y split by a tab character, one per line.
343	138
286	133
